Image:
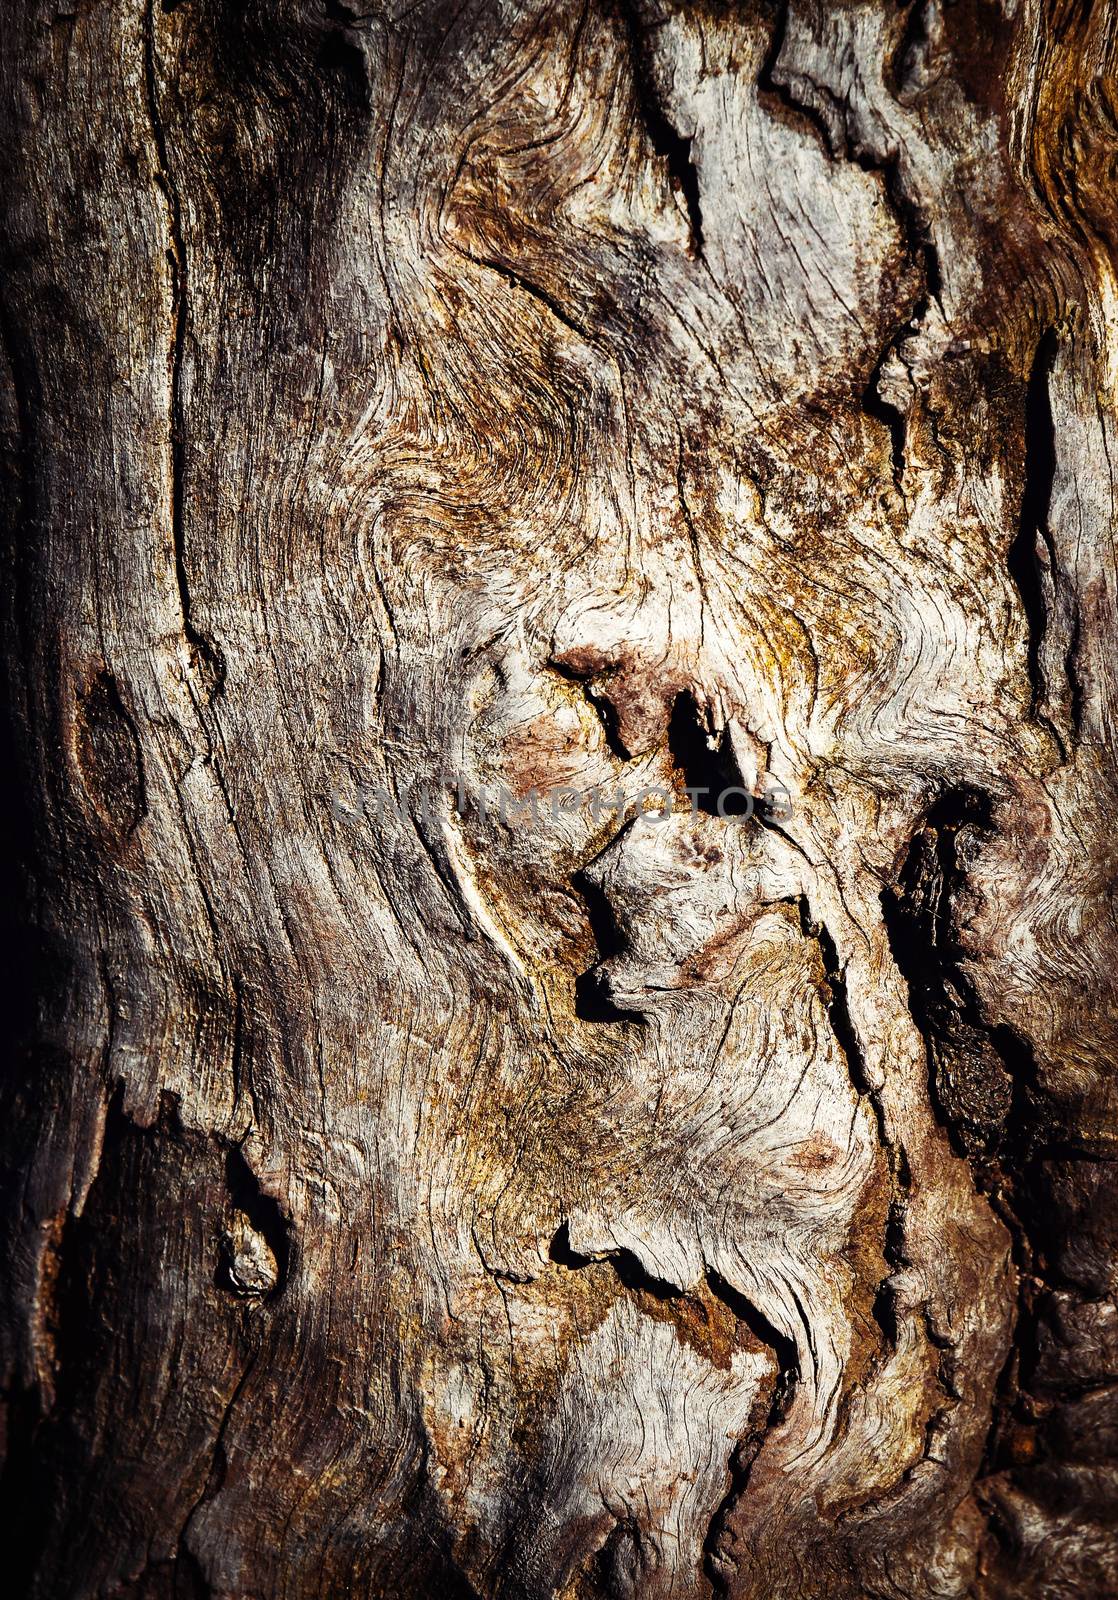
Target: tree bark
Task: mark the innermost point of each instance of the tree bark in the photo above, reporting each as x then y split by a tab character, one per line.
436	1168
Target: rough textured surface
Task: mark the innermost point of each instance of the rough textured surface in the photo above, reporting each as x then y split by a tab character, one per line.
447	1202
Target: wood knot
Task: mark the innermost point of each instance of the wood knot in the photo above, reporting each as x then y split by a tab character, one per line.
107	756
249	1266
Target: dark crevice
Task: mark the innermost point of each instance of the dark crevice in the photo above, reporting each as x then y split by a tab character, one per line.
241	1060
983	1085
540	295
975	1070
30	972
633	1276
838	1000
81	1307
913	224
1032	549
592	1000
616	1568
189	1581
1036	497
341	50
884	1308
842	1025
237	1049
348	14
24	1498
924	257
706	762
219	1463
207	656
562	1253
768	1414
718	1562
603	706
842	143
36	1420
606	713
800	109
891	418
624	1262
831	119
1071	668
763	1330
264	1213
811	103
914	34
667	141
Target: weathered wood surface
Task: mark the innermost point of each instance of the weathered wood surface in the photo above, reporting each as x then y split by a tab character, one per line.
539	395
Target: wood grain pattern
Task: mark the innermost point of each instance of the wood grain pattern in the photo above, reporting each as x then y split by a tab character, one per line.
451	403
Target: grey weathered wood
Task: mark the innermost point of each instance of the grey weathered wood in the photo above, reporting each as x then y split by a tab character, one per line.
517	396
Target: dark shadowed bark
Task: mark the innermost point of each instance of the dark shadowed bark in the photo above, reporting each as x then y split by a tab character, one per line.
433	1169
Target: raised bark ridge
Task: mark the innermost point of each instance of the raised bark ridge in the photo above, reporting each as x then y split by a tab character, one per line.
423	403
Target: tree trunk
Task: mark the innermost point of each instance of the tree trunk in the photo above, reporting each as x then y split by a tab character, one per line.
562	721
